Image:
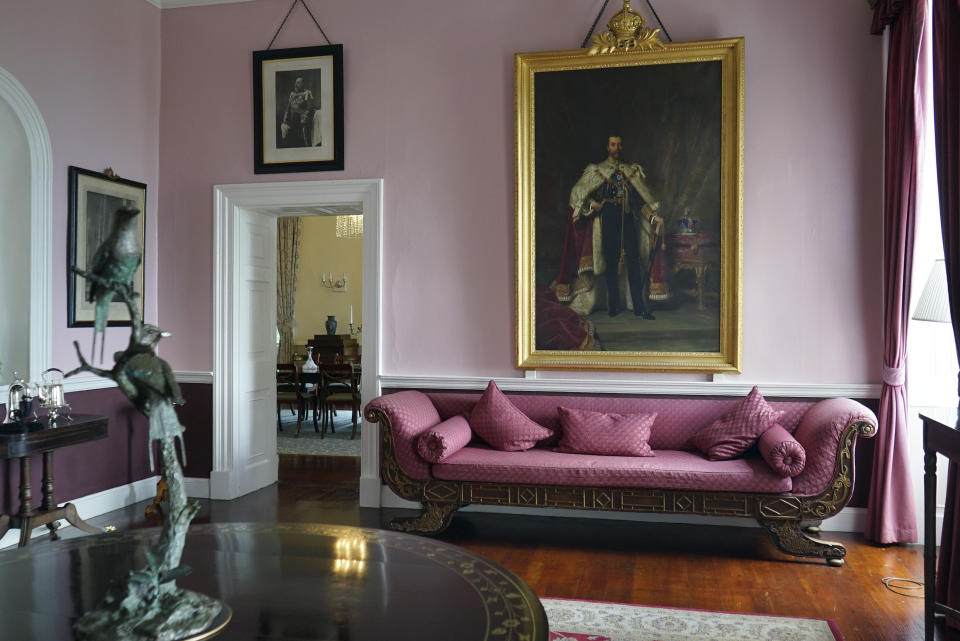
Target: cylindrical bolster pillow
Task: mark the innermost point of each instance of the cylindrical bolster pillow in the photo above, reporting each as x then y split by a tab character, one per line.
781	451
444	439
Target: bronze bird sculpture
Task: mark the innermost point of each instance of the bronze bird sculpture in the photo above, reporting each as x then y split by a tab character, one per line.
148	381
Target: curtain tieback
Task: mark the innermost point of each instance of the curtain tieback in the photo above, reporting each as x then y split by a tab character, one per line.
894	376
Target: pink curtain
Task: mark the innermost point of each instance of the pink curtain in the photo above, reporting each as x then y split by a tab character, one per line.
890	510
946	116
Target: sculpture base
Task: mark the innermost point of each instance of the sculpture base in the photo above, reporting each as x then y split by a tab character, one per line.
176	615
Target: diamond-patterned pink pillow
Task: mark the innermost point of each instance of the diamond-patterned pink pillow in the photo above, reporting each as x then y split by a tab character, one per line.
586	432
782	452
443	440
732	434
498	422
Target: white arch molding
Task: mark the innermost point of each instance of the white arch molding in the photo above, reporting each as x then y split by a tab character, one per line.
232	205
41	217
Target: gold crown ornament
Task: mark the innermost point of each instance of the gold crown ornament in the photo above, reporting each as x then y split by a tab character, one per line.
627	32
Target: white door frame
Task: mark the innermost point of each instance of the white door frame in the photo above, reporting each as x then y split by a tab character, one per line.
266	199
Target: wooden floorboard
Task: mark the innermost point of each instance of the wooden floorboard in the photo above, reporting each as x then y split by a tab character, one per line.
735	569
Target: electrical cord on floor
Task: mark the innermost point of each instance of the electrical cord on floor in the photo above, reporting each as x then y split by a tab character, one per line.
902	586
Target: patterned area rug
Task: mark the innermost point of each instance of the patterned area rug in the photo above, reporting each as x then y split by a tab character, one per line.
310	443
596	621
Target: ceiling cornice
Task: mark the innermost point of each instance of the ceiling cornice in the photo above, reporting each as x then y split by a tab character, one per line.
174	4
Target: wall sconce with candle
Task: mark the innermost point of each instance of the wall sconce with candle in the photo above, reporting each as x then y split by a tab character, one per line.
354	333
334	285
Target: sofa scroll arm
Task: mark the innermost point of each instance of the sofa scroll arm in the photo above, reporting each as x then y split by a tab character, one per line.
440	499
836	421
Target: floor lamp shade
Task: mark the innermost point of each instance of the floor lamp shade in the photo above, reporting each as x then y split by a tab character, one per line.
934	303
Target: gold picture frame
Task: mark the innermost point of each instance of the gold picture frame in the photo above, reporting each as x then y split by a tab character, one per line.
669	195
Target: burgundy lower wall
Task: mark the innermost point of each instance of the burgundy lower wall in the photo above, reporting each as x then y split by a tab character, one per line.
197	416
84	469
863	462
121	457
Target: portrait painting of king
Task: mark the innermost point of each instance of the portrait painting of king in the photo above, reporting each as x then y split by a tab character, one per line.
630	211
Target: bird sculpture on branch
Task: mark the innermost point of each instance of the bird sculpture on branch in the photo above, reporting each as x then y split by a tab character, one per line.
112	268
147	605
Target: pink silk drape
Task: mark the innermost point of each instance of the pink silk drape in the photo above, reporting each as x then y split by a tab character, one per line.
946	116
891	516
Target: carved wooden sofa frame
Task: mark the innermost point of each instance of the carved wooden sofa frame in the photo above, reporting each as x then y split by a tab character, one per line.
783	517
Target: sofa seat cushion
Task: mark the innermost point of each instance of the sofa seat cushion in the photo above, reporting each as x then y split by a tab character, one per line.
667	469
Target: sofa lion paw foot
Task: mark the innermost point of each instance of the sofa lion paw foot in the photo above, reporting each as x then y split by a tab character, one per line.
790	538
434	519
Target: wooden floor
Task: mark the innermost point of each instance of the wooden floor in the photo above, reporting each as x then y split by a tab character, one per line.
689	566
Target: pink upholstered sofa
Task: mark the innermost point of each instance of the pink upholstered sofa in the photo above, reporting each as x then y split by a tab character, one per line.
676	479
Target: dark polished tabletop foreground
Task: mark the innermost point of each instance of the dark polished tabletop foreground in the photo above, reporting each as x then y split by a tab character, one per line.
284	581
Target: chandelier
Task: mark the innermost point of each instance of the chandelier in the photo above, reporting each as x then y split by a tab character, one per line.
349	226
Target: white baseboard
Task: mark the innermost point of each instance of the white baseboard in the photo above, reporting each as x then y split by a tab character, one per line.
221	487
851	519
96	504
196	487
188	376
371	491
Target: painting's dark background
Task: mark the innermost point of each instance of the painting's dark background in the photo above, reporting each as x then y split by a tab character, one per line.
669	116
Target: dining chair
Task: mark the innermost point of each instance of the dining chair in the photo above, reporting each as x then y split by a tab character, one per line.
294	394
339	387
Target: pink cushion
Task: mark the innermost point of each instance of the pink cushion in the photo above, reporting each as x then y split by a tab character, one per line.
444	439
586	432
781	451
678	419
668	469
738	429
498	422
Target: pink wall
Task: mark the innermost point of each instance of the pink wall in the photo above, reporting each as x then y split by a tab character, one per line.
92	68
429	107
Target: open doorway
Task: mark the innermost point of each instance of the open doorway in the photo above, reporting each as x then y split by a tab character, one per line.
320	332
244	451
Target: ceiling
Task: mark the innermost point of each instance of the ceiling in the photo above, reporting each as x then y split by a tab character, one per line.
173	4
342	209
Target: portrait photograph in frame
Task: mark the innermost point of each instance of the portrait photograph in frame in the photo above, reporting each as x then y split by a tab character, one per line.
93	199
629	206
298	109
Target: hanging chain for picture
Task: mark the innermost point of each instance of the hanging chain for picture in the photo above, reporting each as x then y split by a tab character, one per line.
289	11
593	27
659	21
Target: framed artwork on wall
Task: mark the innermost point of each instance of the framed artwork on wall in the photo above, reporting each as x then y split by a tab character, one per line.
298	109
93	198
629	203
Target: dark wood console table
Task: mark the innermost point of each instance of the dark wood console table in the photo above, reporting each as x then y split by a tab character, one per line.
285	581
940	436
82	428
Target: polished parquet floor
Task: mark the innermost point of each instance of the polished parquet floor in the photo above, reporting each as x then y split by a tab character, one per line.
688	566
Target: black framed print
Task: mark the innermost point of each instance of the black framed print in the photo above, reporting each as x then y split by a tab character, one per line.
93	199
298	109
